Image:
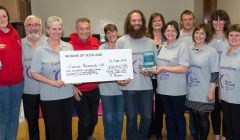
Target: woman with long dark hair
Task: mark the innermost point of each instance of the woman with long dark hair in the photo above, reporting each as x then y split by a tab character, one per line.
155	32
219	23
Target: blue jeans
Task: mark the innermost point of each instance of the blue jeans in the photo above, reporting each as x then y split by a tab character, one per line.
138	102
174	107
10	98
113	113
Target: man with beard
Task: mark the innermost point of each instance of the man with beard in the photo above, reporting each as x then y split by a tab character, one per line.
137	92
31	96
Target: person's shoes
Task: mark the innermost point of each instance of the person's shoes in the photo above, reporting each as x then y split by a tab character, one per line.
152	137
91	138
194	137
151	134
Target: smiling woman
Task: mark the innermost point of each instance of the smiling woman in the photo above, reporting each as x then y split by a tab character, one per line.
203	63
219	23
229	71
11	77
172	65
54	31
111	95
56	96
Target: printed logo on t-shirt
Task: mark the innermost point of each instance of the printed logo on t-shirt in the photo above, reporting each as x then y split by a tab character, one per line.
192	79
28	72
226	82
27	68
164	76
57	74
137	65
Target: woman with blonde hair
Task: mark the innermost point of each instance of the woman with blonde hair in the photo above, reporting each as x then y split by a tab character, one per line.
56	96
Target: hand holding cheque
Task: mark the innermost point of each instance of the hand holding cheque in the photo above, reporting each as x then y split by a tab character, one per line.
96	65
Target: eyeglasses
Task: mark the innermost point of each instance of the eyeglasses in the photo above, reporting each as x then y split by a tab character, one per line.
171	31
32	25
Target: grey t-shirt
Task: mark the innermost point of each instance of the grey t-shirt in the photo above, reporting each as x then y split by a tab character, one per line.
31	86
169	83
203	62
229	77
187	39
110	88
220	44
139	47
47	62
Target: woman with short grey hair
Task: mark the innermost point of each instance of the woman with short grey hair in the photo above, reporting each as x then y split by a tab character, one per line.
56	96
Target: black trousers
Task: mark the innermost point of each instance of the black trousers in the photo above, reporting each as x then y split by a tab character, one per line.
58	118
157	116
31	105
87	111
216	116
231	115
201	122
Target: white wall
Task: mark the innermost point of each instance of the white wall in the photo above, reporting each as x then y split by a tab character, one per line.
232	7
12	7
198	11
102	12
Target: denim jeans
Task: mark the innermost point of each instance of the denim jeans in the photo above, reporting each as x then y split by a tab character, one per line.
138	102
10	98
113	113
174	107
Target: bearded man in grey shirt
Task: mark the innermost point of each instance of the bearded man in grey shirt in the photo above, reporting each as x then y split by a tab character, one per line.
137	92
31	96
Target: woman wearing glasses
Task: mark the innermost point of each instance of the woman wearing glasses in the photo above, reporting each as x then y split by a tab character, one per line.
172	66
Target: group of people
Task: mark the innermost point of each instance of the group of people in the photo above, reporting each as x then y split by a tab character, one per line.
196	69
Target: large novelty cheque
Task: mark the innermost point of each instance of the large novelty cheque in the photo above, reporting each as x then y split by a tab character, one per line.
96	65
